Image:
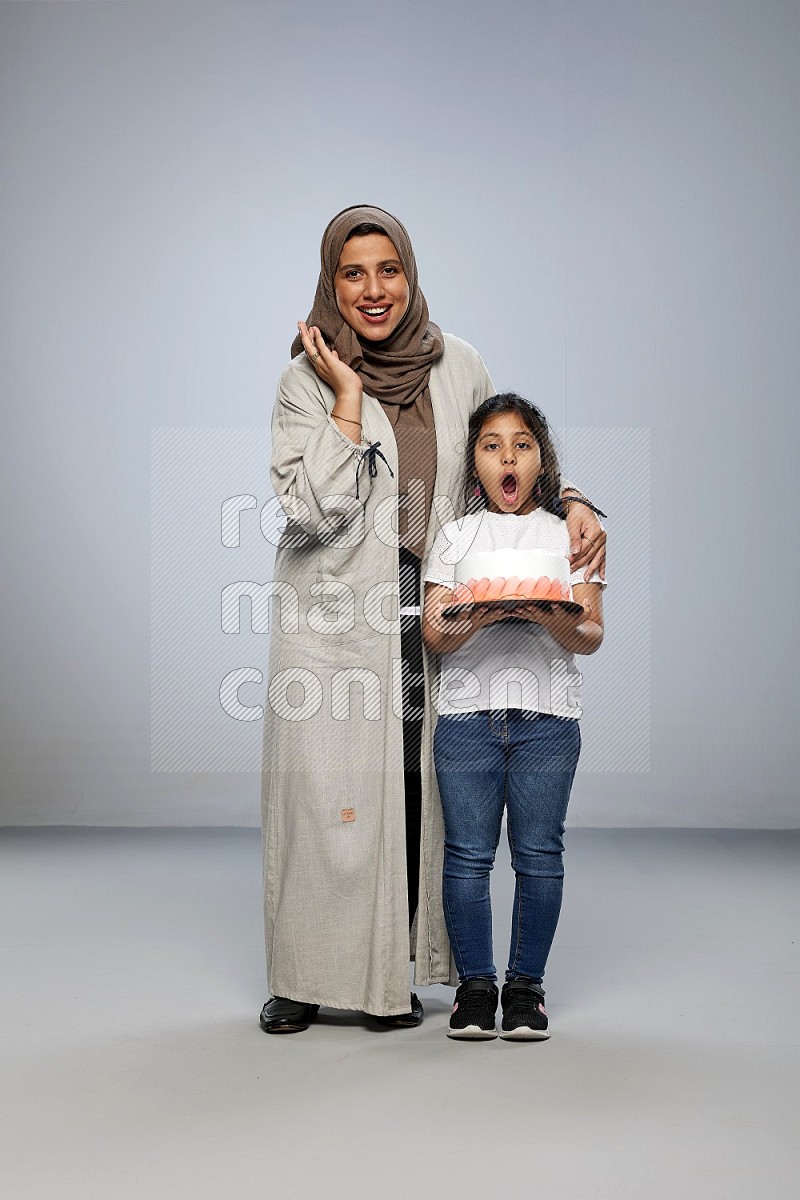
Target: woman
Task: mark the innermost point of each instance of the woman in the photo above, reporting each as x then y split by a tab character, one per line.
368	433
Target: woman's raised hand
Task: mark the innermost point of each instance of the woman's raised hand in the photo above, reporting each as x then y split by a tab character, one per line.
330	368
587	541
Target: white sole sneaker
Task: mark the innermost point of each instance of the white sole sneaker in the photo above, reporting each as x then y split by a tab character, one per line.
524	1033
472	1033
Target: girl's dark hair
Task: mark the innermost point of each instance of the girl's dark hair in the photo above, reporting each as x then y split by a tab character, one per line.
365	228
548	495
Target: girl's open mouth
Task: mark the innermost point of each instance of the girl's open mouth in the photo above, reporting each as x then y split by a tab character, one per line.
510	488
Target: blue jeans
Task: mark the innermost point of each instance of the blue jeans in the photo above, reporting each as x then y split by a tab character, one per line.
525	762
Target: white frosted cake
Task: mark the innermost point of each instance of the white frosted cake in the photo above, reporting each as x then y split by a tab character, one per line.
508	574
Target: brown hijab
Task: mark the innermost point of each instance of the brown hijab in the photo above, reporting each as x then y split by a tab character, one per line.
396	372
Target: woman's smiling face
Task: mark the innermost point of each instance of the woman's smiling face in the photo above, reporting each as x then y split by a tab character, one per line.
508	463
371	287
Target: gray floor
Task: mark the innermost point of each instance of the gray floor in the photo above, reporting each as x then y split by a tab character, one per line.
133	1064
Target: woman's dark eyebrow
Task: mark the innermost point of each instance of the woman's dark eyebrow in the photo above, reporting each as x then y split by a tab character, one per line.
387	262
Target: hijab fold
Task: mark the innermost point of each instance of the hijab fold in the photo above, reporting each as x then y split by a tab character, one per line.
396	371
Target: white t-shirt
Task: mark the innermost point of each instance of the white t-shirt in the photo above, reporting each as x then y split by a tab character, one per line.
513	663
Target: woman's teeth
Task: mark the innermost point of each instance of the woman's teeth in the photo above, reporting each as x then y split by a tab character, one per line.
374	312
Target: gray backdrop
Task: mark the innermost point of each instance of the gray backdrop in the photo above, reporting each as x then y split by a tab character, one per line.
602	198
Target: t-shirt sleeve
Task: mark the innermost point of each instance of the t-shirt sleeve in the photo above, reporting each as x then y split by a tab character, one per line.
577	577
441	564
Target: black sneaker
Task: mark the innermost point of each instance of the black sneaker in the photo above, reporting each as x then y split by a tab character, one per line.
474	1009
524	1018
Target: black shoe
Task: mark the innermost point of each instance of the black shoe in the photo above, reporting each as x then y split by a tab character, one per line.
407	1020
280	1015
524	1018
474	1009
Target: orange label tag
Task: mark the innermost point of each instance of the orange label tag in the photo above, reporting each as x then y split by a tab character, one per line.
348	814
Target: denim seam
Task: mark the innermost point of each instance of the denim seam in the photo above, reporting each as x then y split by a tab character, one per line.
518	890
456	948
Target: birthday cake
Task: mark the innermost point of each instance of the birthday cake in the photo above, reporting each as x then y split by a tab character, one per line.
512	575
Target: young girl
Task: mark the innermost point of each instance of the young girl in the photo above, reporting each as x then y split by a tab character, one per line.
508	731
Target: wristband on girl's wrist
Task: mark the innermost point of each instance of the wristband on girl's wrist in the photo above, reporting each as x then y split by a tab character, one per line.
583	500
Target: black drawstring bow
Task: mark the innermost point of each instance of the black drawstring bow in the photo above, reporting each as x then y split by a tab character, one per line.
370	455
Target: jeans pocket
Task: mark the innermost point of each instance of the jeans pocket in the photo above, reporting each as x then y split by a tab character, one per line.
454	740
